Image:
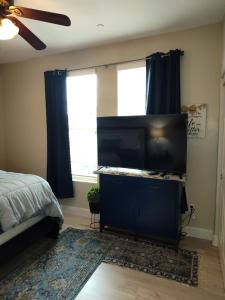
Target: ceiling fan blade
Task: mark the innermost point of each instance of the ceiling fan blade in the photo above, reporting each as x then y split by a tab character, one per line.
40	15
27	35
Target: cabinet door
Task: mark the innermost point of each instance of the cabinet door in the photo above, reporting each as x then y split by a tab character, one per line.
117	201
159	208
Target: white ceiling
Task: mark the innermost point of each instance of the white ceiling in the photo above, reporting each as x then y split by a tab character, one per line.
122	19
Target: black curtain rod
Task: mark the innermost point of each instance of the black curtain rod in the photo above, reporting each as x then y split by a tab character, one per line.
123	62
181	52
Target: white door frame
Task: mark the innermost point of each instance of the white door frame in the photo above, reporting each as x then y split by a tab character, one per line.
219	230
219	164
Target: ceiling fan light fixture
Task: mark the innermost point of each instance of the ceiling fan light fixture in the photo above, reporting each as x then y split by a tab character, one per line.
8	29
10	26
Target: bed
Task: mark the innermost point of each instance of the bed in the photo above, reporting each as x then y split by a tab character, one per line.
28	208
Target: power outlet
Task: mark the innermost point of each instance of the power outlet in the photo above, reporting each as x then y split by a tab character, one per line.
192	209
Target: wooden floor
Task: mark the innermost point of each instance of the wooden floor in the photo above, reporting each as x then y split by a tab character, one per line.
110	282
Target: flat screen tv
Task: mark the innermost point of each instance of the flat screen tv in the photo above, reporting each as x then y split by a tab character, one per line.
152	142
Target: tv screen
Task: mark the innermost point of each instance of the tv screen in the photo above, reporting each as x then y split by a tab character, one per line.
152	142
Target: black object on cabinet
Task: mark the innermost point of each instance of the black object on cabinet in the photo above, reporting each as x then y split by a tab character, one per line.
143	206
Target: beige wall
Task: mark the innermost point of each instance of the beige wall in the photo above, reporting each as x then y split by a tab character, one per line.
201	65
223	51
107	91
2	131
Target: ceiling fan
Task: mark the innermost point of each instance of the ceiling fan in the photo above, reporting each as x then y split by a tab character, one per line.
11	26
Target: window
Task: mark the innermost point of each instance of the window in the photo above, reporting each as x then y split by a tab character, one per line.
82	106
131	80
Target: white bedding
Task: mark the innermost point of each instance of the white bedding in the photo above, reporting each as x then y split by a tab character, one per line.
23	196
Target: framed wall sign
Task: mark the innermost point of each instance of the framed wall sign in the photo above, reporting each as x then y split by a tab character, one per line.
196	119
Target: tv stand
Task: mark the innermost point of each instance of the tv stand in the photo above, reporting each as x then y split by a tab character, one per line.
142	204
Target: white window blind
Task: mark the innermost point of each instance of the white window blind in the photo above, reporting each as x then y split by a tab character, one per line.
82	107
131	81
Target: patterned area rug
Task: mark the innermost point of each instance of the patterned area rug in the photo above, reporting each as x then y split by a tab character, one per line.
59	270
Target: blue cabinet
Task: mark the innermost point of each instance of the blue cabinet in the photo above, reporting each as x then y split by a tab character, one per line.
144	206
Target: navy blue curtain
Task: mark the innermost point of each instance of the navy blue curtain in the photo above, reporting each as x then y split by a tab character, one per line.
163	90
163	83
58	157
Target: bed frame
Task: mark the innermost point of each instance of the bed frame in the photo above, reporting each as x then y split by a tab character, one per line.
46	227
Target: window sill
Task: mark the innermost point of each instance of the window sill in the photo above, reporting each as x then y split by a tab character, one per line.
86	179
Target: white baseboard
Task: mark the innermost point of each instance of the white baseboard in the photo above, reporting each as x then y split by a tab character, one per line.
215	240
200	233
196	232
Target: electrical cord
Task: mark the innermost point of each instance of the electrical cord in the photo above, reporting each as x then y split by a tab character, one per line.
188	217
